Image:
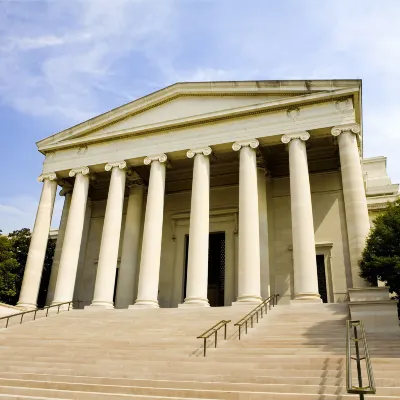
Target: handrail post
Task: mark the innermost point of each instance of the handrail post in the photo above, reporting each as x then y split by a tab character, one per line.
205	346
69	304
240	328
225	331
216	336
7	322
58	311
34	315
47	311
353	326
359	375
22	316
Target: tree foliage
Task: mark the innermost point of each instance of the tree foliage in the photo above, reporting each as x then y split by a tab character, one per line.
8	271
18	243
381	256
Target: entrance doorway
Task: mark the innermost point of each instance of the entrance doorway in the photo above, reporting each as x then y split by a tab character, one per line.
216	268
322	288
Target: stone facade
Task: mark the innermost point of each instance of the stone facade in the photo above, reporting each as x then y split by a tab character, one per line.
215	192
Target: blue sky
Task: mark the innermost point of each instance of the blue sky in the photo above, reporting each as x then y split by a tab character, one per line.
64	61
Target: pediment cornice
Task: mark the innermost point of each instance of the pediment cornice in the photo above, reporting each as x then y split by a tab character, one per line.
90	131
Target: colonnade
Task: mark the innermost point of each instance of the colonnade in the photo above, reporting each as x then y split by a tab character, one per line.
249	287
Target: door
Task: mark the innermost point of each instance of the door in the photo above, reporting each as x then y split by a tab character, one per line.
216	268
322	278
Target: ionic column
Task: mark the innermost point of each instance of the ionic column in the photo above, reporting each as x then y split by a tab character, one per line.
109	246
72	238
37	249
262	174
197	269
152	235
249	286
304	258
130	246
355	200
67	193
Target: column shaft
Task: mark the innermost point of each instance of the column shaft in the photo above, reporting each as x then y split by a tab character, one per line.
264	244
152	235
249	285
108	258
72	239
197	269
355	200
304	257
128	268
58	249
37	249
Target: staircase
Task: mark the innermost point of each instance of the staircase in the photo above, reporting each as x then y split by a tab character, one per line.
295	352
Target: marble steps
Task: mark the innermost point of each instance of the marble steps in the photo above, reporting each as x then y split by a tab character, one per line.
214	365
149	373
117	354
184	378
12	393
194	390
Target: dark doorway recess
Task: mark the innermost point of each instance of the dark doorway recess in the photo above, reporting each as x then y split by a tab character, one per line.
322	278
216	268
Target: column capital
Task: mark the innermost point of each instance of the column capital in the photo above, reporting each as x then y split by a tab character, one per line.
253	143
287	137
262	165
50	176
66	187
116	164
354	128
158	157
134	179
79	170
201	150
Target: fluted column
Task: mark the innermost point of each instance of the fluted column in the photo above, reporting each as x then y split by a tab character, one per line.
304	257
73	236
197	268
355	200
130	246
109	246
249	286
37	249
152	235
67	193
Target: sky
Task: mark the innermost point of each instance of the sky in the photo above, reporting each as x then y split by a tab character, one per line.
65	61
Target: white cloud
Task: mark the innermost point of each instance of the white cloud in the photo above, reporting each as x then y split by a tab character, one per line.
64	70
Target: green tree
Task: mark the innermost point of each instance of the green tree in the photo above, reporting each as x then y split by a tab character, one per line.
8	271
381	256
20	241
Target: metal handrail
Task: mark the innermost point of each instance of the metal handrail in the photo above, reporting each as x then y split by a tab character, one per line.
213	331
260	308
7	317
352	326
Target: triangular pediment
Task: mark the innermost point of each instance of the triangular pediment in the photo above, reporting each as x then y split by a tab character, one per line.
185	103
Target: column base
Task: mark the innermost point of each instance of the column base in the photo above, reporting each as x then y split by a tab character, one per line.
100	305
245	300
191	302
145	304
302	298
26	306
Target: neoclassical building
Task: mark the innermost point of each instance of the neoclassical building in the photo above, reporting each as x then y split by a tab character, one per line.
211	193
